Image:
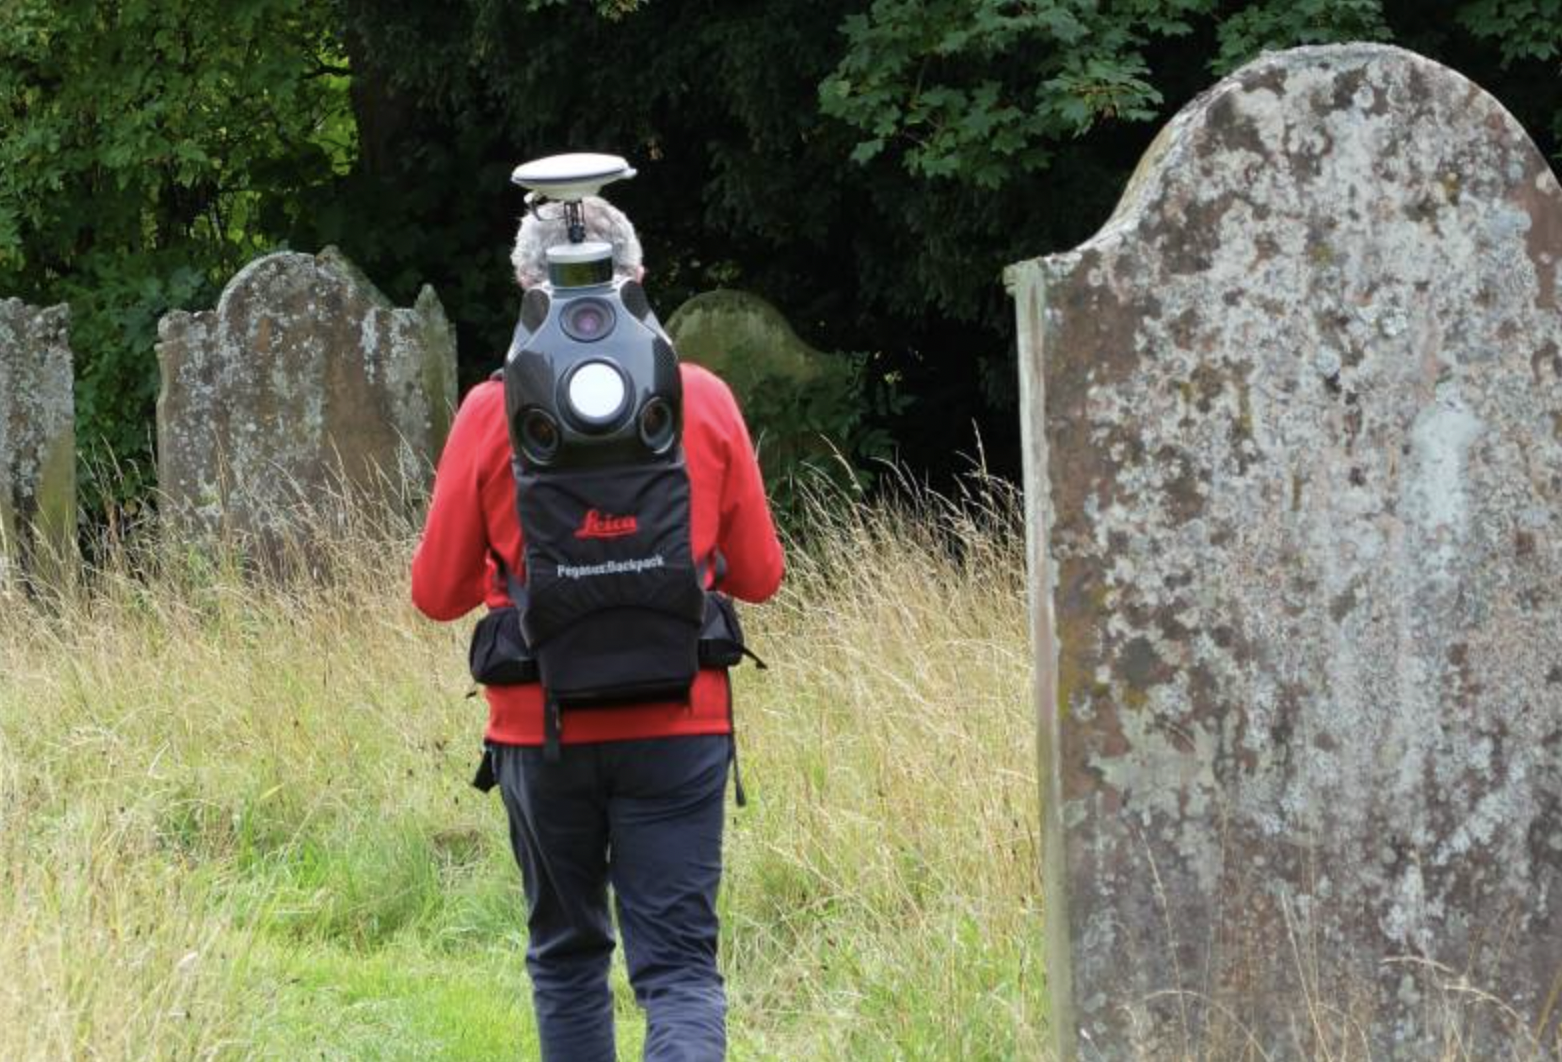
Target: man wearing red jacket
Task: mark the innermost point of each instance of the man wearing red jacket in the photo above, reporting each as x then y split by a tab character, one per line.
635	798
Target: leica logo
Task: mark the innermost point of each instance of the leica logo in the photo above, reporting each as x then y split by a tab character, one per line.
604	525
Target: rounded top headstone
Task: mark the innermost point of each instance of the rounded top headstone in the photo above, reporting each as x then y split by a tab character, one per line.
1386	132
741	337
1293	430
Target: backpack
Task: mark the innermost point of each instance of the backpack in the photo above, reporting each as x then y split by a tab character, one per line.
615	610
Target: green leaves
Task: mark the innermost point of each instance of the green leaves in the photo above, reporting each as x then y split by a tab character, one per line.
1522	29
977	90
1273	24
140	144
1090	90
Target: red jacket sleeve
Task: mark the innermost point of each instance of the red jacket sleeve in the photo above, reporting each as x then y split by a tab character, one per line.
450	570
747	538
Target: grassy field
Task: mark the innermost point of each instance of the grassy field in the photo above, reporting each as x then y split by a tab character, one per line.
235	819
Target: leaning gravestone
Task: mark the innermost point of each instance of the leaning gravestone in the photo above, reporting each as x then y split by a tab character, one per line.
304	379
1294	462
37	440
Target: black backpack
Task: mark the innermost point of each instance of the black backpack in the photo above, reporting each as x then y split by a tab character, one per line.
614	612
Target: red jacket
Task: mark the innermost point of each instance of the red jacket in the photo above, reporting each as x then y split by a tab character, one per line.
473	512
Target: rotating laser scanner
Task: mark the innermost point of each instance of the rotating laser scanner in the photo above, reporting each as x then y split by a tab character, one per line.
591	378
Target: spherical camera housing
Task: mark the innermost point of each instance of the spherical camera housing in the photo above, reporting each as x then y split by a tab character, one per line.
591	378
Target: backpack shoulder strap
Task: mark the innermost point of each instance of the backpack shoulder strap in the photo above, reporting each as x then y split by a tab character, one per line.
711	570
512	586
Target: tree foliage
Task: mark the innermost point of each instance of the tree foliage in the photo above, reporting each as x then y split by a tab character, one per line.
981	90
143	145
1288	23
868	165
1521	29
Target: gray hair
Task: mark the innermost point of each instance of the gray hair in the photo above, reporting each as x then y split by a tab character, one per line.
604	222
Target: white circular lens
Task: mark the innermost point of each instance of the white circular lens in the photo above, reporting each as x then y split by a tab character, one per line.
596	391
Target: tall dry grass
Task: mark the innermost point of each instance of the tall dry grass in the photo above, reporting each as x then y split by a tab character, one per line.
894	848
234	819
210	762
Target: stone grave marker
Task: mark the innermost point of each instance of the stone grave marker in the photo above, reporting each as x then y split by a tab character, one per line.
742	338
1294	470
303	379
778	379
37	441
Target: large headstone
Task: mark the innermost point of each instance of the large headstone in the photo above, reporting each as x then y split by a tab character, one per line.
37	441
1294	463
305	378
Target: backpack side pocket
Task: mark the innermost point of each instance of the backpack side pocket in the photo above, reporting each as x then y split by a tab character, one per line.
499	655
721	636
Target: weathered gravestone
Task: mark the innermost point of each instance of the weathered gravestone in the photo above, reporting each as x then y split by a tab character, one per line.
37	440
304	379
1294	461
796	398
743	339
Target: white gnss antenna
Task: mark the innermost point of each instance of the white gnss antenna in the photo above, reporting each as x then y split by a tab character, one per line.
568	179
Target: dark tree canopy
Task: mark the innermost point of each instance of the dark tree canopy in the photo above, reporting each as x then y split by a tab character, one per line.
869	167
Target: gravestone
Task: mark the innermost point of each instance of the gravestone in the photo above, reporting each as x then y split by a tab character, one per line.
796	399
303	381
37	441
743	339
1294	470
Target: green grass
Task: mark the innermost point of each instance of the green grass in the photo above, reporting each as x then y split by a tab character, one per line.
235	820
398	1002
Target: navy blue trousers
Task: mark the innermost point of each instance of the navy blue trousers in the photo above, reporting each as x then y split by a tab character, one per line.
644	817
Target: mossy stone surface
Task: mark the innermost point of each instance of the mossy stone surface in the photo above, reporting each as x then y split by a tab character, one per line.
304	379
743	339
1293	441
803	406
37	441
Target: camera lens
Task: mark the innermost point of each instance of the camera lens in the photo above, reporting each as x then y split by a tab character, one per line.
539	437
597	394
658	426
587	320
534	309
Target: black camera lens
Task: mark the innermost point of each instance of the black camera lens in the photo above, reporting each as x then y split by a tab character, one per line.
587	320
658	426
534	309
539	437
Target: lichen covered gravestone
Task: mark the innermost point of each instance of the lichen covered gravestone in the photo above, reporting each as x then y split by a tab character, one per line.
796	398
742	338
37	441
1294	462
304	378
